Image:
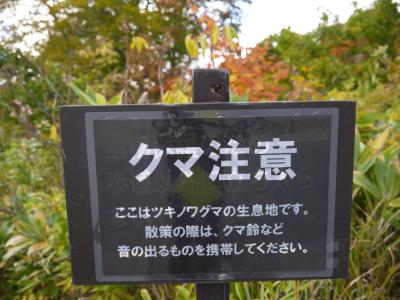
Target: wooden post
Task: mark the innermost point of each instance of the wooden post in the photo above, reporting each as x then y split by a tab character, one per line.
211	85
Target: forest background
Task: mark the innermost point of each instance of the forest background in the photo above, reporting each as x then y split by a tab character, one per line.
120	51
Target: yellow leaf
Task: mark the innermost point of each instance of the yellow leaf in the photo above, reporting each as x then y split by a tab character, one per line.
230	34
138	43
214	35
191	46
67	284
117	99
53	133
380	140
394	202
171	97
36	247
203	43
100	99
13	251
16	240
145	294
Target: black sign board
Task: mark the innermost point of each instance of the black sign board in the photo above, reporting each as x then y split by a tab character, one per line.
208	192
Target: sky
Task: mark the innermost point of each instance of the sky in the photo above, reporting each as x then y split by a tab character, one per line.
265	17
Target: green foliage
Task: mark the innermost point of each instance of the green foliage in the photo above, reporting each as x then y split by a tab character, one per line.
32	217
354	55
28	92
378	26
91	98
101	42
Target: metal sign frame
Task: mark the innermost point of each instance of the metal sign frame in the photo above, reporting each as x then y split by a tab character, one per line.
75	125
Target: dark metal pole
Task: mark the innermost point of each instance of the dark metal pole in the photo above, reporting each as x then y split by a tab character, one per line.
211	85
212	291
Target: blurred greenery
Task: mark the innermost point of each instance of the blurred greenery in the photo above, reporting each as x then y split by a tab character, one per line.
111	52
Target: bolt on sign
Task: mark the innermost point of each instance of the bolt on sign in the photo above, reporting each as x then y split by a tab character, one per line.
208	192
